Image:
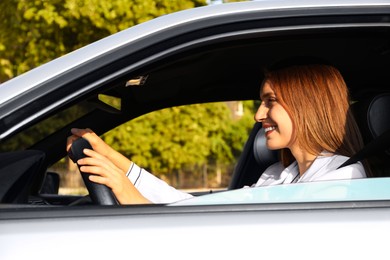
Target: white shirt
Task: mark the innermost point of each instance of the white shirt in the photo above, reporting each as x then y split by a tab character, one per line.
153	188
323	168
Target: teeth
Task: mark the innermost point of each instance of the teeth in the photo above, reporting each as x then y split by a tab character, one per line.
269	128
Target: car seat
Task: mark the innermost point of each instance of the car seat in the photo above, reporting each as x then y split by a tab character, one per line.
254	160
372	116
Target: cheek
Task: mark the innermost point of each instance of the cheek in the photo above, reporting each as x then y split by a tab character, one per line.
289	128
284	121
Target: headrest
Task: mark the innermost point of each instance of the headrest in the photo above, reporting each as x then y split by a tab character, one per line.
263	155
378	112
372	115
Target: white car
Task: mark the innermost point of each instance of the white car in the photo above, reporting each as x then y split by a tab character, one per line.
205	54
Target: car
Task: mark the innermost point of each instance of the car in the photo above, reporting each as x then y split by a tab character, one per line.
205	54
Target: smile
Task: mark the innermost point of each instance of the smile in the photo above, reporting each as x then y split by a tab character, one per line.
268	129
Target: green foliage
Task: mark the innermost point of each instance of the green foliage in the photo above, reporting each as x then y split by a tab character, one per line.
239	129
171	139
33	32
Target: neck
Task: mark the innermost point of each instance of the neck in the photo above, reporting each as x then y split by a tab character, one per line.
303	158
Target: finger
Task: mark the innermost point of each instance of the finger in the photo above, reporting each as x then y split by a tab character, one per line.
91	154
94	154
85	133
102	158
88	134
97	167
93	161
99	180
69	141
111	183
76	134
95	170
114	184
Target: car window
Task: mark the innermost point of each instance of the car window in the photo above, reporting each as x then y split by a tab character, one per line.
32	135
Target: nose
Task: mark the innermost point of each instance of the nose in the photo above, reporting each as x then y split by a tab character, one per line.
262	113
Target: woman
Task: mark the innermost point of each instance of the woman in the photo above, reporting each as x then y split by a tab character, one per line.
304	111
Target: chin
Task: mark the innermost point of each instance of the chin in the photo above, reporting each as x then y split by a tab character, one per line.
274	147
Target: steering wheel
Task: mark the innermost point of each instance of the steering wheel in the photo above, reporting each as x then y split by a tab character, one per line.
100	194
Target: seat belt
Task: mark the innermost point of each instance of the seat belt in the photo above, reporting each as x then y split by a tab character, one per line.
377	145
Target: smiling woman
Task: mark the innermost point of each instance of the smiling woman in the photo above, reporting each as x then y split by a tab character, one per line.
293	122
305	112
317	100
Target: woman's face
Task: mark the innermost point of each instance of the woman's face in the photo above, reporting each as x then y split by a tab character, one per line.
275	120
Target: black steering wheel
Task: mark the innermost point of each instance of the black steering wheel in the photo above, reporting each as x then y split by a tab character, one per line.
100	194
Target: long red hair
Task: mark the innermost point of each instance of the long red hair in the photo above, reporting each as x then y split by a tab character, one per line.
317	100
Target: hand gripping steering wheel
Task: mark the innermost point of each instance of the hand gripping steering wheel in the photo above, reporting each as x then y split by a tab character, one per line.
100	194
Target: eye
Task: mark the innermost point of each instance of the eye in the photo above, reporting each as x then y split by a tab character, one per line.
270	101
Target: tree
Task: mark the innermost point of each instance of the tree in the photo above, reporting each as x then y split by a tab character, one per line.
169	139
187	137
33	32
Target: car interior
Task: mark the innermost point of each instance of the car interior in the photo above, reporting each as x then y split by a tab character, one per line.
229	69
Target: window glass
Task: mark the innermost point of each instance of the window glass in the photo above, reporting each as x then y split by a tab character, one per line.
42	129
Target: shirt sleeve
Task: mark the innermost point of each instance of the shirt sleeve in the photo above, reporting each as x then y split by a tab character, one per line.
153	188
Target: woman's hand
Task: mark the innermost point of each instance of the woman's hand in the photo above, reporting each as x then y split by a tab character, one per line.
100	147
96	142
103	171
